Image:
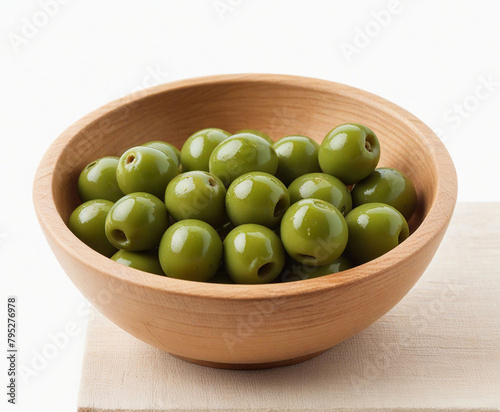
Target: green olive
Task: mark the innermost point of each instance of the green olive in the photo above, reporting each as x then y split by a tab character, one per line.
314	232
297	155
349	152
196	151
137	222
257	197
324	187
374	229
196	195
297	271
388	186
190	249
167	148
145	261
253	254
98	180
87	223
144	169
240	154
257	133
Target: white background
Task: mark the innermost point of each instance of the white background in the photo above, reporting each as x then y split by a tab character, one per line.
431	58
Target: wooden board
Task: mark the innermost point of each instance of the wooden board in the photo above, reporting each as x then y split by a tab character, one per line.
439	349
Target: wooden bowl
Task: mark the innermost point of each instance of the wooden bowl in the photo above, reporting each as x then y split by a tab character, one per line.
246	326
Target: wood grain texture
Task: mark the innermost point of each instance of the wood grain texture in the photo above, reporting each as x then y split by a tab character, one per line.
218	323
438	350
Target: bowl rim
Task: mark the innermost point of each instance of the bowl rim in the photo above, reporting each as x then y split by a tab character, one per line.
433	225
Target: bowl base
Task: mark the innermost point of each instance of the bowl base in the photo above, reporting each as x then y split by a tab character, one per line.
251	366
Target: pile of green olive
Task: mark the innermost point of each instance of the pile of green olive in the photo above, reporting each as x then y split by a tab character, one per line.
243	209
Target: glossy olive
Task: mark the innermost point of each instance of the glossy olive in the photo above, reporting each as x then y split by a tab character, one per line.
196	151
87	223
297	271
257	197
137	222
167	148
314	232
144	169
98	180
190	250
196	195
145	261
253	254
350	152
324	187
297	155
240	154
374	229
257	133
385	185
